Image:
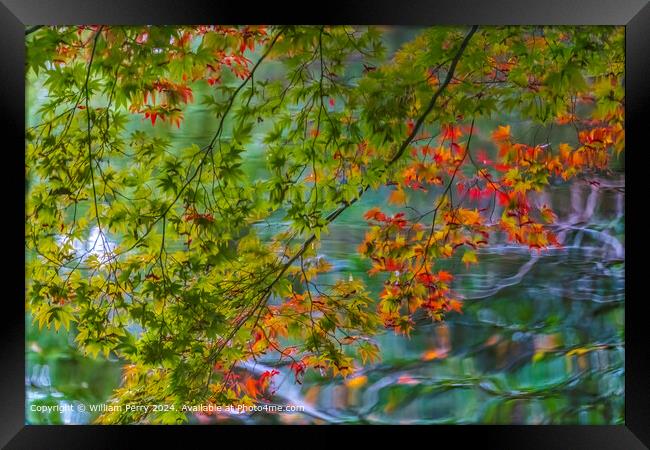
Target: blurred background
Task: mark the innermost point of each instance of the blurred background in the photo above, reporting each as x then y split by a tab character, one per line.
540	339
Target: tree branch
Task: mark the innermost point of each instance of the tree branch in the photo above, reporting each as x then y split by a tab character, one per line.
207	149
337	212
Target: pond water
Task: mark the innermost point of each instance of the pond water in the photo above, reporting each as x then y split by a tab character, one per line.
540	339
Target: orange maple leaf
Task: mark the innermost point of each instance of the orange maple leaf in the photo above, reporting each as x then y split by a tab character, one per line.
502	133
397	197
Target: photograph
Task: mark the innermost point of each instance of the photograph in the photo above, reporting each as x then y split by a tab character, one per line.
325	224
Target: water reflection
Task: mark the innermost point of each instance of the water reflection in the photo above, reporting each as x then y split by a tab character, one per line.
540	339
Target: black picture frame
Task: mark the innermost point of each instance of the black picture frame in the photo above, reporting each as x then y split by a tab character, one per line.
16	15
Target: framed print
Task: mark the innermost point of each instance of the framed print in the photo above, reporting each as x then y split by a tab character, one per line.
386	218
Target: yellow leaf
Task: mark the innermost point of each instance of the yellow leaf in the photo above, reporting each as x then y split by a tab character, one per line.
470	257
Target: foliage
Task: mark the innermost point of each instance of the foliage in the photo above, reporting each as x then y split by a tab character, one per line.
178	279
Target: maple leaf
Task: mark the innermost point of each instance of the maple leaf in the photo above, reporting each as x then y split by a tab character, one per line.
298	368
455	305
369	352
375	214
399	221
152	115
397	197
251	387
404	325
445	276
265	378
159	83
547	214
186	93
552	239
469	257
502	133
457	148
426	278
410	174
450	132
392	265
503	198
433	80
